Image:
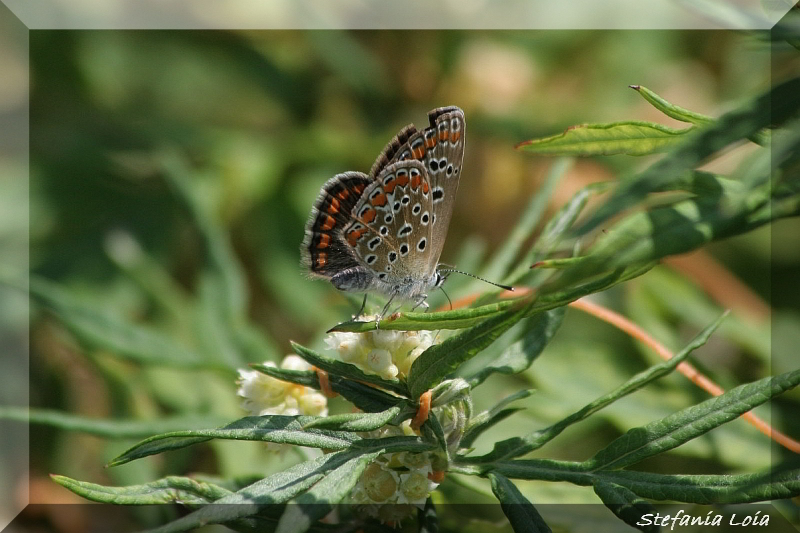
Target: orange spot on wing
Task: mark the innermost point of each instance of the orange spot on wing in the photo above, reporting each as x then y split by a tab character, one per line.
430	142
418	152
402	180
389	187
354	235
370	215
343	194
444	135
359	188
324	240
330	222
333	208
322	259
415	182
456	135
425	187
379	200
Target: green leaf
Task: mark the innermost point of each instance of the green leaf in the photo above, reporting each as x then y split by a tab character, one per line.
703	489
172	489
772	107
553	233
320	498
274	428
368	399
523	517
346	370
625	504
672	431
709	489
483	421
249	501
516	446
671	110
455	319
108	428
537	332
362	421
439	360
106	331
631	138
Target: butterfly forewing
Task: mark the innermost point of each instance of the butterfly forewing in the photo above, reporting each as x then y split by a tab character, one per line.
441	149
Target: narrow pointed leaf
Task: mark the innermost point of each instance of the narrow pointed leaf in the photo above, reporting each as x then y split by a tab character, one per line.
440	360
771	107
672	431
275	428
671	110
320	498
455	319
362	421
105	427
625	504
516	446
702	489
523	516
346	370
368	399
172	489
630	137
249	501
538	330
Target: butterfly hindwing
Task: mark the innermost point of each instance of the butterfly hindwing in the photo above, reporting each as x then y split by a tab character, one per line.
391	228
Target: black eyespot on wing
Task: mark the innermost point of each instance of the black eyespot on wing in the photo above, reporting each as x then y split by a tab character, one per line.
403	249
438	194
371	258
392	257
421	244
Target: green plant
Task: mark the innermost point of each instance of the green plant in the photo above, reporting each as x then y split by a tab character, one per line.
669	208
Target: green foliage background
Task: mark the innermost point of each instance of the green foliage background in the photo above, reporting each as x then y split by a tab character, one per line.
126	126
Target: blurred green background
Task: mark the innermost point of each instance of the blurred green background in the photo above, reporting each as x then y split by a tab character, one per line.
259	120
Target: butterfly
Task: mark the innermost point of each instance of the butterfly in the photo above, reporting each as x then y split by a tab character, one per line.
384	231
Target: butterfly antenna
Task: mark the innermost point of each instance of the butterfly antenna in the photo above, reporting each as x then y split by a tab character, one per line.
506	287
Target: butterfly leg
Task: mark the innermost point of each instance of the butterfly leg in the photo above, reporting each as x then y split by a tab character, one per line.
361	309
421	301
383	311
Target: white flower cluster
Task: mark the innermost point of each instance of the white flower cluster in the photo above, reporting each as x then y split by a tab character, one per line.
389	354
395	484
265	395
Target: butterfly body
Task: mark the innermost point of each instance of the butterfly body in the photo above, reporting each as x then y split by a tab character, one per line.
384	231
